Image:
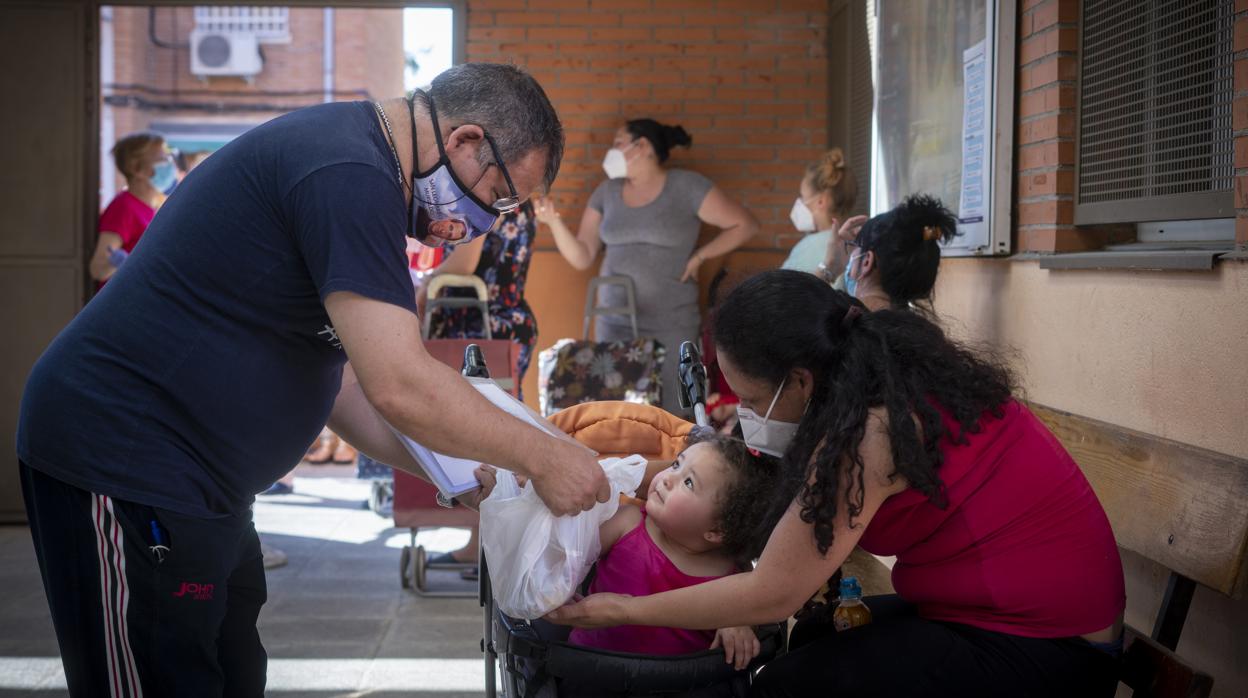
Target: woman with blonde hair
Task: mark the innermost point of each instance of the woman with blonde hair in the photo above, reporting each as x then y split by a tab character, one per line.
826	196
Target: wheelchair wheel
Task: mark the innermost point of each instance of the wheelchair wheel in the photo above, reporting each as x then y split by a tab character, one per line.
421	564
405	567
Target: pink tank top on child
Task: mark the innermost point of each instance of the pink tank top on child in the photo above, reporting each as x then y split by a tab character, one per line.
1023	546
636	566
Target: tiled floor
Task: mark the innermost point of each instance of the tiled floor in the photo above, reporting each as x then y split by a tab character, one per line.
336	623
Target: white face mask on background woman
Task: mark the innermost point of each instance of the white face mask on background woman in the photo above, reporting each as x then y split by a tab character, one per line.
765	434
615	164
801	216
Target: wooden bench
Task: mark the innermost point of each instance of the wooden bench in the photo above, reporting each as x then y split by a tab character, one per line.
1183	507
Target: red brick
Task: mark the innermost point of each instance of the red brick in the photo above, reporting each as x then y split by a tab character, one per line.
1045	15
620	34
789	19
588	78
688	5
683	63
1241	152
616	5
715	49
713	108
496	34
1046	213
1046	184
628	63
558	4
745	94
558	34
1241	192
650	78
590	19
747	63
684	33
806	35
1241	76
715	19
1241	231
1239	113
745	34
524	18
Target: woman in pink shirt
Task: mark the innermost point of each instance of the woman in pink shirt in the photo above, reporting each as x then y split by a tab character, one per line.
904	442
149	171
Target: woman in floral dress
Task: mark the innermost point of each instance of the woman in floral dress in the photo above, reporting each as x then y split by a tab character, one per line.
504	266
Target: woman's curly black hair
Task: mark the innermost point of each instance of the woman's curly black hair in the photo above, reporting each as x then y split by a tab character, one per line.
906	242
745	517
781	320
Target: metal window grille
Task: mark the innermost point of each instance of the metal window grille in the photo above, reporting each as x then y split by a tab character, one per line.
1155	137
269	24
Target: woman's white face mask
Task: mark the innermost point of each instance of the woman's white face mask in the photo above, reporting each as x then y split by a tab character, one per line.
615	164
802	217
765	434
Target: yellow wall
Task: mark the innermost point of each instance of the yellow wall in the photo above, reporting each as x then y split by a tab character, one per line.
1162	353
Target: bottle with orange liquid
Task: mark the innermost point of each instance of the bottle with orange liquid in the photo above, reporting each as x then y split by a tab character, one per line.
851	612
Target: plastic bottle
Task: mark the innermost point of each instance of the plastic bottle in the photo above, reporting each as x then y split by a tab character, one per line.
851	612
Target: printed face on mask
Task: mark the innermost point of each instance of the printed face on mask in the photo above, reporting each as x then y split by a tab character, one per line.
444	209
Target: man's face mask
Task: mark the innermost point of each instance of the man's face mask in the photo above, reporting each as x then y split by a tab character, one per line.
764	433
448	211
851	282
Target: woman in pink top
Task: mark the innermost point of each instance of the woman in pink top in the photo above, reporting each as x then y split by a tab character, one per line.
703	518
896	438
149	171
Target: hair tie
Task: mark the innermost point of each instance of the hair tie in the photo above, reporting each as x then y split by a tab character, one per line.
930	232
851	317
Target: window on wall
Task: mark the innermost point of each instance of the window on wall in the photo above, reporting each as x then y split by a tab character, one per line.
1155	140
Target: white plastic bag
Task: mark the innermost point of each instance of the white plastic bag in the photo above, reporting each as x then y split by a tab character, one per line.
537	559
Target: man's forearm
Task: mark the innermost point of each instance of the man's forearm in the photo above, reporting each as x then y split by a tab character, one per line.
356	421
443	412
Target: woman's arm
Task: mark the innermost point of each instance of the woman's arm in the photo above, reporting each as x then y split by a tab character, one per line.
101	269
580	249
789	572
736	224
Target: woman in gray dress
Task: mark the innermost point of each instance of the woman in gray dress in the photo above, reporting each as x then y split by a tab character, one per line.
648	218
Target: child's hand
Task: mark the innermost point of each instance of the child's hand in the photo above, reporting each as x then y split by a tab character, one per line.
740	645
486	475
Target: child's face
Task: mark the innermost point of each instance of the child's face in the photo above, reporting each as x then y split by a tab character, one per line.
683	500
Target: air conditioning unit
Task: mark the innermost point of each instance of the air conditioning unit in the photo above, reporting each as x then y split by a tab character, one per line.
225	53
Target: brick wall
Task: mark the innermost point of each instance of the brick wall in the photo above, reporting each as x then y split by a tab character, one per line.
746	78
368	50
1045	160
1239	122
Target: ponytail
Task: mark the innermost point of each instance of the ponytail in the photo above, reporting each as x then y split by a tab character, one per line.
906	242
661	136
830	174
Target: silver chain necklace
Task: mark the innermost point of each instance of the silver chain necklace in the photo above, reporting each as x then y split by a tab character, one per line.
390	139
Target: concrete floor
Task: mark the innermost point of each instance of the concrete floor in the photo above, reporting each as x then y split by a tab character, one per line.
337	622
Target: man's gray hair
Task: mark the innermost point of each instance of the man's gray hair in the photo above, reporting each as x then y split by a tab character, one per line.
508	103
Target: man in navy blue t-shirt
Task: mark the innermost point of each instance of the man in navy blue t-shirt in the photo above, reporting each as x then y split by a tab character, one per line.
216	353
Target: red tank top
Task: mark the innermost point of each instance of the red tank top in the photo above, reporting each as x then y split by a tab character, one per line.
1023	546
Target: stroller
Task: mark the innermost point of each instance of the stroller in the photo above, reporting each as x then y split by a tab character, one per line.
533	658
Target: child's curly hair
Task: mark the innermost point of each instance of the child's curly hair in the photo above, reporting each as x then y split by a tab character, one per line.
746	515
